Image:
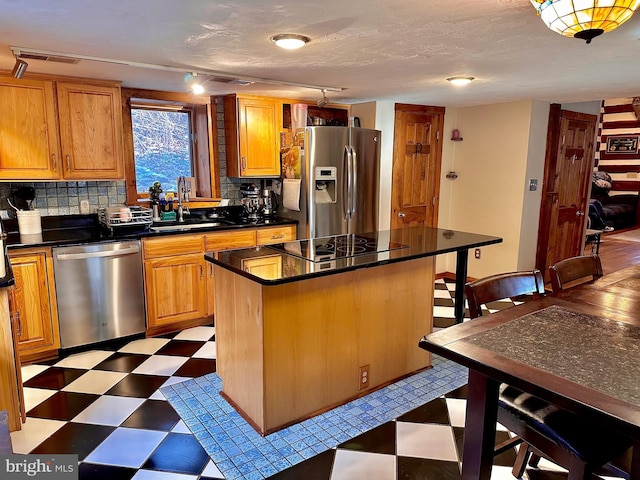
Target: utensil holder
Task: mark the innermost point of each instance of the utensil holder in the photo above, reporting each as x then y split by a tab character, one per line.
29	222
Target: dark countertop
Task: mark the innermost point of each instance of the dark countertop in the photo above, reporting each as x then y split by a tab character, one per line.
84	229
416	242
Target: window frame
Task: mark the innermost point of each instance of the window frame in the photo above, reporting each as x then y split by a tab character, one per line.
205	161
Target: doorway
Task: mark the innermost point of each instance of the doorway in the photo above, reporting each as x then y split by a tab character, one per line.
568	166
417	157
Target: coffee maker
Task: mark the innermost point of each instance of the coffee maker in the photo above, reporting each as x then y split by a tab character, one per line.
250	198
268	203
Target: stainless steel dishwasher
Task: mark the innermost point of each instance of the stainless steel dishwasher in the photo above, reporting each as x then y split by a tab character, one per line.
100	293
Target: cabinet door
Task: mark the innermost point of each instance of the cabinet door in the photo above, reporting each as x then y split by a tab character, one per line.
90	131
31	304
258	138
28	130
175	289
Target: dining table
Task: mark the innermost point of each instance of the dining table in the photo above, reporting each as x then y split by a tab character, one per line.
578	348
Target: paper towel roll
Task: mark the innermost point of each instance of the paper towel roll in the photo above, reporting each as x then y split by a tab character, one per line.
291	194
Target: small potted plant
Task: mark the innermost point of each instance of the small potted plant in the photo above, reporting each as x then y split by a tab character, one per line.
154	192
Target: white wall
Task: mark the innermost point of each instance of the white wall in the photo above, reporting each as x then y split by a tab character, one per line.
503	147
532	199
490	195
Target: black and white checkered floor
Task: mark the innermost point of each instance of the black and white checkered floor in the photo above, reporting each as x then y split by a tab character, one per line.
104	406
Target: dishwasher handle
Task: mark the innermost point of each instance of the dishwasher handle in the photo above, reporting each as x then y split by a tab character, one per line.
106	253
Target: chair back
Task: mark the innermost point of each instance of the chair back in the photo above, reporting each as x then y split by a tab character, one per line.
502	285
566	272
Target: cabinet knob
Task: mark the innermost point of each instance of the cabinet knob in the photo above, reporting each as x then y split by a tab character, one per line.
55	161
68	157
401	214
243	163
275	237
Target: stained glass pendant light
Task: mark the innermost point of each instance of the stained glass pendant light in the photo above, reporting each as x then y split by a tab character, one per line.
584	19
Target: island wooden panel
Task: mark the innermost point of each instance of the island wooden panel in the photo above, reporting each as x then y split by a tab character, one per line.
287	352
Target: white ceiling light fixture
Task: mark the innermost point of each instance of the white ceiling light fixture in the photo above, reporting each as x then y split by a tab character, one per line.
459	81
584	19
290	41
44	55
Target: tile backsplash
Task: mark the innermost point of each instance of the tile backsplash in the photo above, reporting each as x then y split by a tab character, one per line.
63	198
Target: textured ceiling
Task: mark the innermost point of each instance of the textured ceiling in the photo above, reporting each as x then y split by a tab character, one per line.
400	50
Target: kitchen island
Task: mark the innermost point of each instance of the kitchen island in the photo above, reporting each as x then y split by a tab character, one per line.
304	326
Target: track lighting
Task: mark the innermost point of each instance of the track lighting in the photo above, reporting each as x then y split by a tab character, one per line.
195	86
323	101
19	68
226	77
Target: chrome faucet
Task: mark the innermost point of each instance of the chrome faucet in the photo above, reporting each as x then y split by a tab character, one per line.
183	191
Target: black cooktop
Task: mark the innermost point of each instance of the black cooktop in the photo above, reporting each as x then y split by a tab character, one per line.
337	246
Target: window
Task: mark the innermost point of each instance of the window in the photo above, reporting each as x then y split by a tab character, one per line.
168	135
161	147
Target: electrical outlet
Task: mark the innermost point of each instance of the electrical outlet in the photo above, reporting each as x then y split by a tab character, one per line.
363	377
477	253
84	206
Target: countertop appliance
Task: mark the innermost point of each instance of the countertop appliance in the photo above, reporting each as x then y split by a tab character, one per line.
250	198
99	291
339	182
325	249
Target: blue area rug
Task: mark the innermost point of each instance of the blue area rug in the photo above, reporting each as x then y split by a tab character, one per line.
240	452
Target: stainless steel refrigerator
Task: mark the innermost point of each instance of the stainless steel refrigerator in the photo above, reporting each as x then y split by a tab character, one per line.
339	182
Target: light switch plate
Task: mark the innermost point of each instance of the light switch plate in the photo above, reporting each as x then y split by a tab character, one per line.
533	184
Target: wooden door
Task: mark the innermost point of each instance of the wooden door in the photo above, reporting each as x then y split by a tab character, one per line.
417	154
28	130
175	289
30	304
568	167
90	131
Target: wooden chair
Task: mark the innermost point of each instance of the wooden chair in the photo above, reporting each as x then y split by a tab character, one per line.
567	272
578	444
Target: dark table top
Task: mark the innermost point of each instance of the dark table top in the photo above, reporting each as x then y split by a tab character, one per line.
408	244
580	349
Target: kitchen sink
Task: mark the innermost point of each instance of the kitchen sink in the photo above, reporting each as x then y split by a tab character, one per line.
182	227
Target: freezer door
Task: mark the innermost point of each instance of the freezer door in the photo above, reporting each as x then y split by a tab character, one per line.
365	144
326	151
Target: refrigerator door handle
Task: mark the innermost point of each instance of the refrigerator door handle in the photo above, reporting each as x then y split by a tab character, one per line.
354	181
346	183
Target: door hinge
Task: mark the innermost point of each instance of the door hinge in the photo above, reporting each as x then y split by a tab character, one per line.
563	138
437	135
433	201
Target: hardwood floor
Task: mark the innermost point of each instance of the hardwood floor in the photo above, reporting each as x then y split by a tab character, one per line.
617	254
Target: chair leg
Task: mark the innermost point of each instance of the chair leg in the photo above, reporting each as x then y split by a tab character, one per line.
520	464
535	459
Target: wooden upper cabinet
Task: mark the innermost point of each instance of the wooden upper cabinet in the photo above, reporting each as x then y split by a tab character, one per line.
28	130
59	130
252	130
90	131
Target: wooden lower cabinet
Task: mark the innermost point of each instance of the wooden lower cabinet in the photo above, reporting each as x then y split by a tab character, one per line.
179	283
174	282
175	289
33	304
